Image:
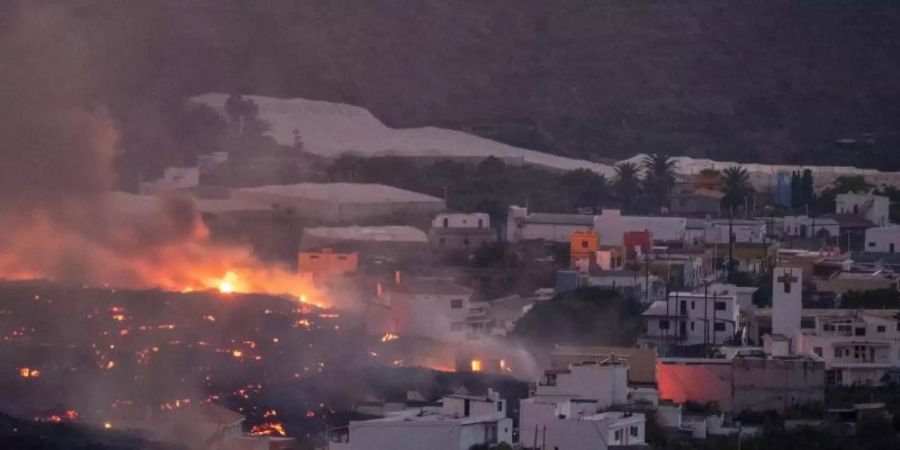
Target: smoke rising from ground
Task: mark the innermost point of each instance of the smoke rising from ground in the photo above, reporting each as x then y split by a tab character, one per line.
58	146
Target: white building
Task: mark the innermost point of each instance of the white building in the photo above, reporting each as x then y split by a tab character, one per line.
858	346
461	422
690	318
342	202
461	231
569	409
571	426
644	287
744	231
604	384
174	178
431	308
875	208
743	294
787	302
883	239
522	225
461	220
809	227
611	225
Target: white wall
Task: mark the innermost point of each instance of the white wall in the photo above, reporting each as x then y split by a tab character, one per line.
787	302
883	239
875	208
461	220
608	384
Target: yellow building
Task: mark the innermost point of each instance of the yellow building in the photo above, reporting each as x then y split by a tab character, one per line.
327	262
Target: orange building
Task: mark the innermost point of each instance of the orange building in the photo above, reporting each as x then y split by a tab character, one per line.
583	245
327	263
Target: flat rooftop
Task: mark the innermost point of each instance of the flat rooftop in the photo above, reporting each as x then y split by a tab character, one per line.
343	192
391	233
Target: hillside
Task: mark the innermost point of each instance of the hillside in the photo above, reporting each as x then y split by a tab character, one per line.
770	81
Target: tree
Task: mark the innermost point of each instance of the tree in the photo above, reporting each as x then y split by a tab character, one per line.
585	187
807	191
659	169
795	190
587	316
736	184
627	184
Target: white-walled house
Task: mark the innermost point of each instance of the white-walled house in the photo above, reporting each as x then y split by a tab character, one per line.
690	318
569	409
809	227
568	426
522	225
432	308
744	231
858	346
605	384
462	421
461	220
883	239
875	208
461	231
611	225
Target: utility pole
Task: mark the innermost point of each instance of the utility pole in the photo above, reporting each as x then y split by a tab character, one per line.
731	245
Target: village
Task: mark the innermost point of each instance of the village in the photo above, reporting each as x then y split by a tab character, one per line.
667	308
449	225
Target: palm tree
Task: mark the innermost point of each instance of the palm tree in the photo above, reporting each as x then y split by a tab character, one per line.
627	184
736	185
659	176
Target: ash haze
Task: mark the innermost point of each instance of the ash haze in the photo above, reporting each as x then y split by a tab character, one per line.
366	225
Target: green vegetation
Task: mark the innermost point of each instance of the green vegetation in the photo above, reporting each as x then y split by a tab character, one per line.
587	316
490	186
737	187
659	177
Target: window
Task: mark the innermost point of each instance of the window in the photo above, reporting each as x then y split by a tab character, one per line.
818	351
871	244
860	331
692	325
446	222
466	242
880	329
313	256
618	435
584	244
480	223
692	304
500	406
342	258
720	326
837	353
456	326
456	303
807	322
634	431
720	306
663	324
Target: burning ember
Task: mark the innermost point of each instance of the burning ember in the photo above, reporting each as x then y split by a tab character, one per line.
389	337
26	372
268	429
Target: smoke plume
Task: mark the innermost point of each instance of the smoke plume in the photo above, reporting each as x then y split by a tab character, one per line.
58	144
